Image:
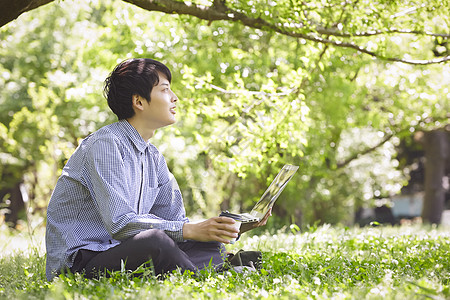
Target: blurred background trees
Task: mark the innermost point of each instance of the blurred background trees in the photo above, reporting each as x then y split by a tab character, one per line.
336	88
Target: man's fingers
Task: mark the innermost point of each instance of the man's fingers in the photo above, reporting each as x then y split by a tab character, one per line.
227	233
224	236
225	220
231	228
268	214
226	224
222	240
266	217
227	228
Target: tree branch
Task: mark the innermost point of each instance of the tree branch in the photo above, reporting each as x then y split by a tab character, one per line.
344	163
366	151
335	32
219	11
11	9
246	92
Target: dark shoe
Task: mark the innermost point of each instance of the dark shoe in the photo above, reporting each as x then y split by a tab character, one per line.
251	259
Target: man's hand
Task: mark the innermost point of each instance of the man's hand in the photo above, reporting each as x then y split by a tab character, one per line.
249	226
213	229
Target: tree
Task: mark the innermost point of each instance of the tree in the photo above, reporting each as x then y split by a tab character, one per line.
331	23
41	114
436	145
252	98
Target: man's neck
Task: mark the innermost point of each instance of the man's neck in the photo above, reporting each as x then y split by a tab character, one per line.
146	133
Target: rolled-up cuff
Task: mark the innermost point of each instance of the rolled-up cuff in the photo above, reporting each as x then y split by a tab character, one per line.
177	236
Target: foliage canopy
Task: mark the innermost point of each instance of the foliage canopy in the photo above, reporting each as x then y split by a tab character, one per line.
298	87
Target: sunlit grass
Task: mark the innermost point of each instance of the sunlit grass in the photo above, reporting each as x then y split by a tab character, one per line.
408	262
24	240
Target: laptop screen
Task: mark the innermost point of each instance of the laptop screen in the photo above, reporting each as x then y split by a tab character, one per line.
273	191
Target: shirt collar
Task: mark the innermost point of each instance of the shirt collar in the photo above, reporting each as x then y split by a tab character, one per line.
134	136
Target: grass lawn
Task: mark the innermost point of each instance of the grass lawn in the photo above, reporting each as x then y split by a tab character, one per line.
408	262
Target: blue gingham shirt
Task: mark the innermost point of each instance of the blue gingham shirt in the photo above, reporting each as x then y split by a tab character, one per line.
114	186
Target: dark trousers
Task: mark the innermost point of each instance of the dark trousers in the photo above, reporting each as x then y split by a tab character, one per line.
155	245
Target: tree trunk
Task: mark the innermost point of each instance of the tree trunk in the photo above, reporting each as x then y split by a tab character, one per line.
436	152
16	207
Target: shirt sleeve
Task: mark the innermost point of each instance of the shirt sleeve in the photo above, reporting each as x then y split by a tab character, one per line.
169	201
105	171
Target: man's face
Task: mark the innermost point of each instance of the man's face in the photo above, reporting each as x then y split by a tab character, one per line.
160	111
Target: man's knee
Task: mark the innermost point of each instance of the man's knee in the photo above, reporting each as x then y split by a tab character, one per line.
154	238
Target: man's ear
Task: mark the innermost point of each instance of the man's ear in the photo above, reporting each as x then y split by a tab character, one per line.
137	102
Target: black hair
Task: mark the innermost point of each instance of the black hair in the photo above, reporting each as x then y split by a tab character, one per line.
135	76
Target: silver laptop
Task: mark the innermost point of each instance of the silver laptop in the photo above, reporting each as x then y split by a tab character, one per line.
268	198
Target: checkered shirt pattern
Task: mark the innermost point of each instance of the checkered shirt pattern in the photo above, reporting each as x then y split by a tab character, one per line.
114	186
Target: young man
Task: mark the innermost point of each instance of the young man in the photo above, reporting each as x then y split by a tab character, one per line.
117	201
